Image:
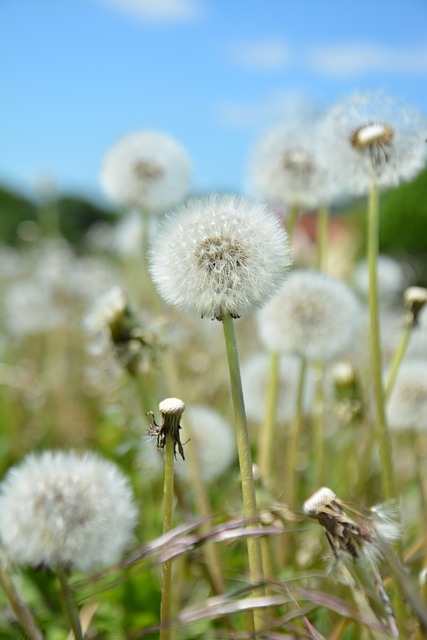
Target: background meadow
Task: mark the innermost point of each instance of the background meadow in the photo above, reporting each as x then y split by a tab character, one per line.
252	98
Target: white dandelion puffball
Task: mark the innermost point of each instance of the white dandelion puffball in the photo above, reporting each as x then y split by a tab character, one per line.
64	508
371	137
407	406
391	278
146	169
255	376
219	255
314	315
286	167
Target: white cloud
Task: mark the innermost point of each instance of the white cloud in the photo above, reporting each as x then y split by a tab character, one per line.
262	55
357	58
282	105
159	10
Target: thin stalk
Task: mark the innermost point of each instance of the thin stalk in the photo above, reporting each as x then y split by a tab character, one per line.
322	237
70	605
245	458
318	451
18	606
397	358
381	427
266	435
166	598
291	220
294	439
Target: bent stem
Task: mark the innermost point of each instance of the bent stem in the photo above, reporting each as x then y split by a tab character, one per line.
245	459
266	436
70	605
18	606
381	427
166	598
398	357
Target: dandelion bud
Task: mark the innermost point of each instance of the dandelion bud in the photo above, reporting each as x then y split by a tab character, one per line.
415	298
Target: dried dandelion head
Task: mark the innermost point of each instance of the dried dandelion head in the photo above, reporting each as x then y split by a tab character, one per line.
219	255
171	410
372	137
146	169
63	508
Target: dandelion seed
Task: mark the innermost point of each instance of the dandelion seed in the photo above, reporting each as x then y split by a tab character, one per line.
407	406
314	315
219	255
64	508
146	169
372	137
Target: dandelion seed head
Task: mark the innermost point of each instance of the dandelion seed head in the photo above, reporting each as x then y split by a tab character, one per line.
314	315
146	169
407	406
391	277
372	136
318	501
219	255
286	167
60	507
255	374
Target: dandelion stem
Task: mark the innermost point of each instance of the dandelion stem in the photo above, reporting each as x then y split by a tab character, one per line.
70	605
18	607
291	220
266	437
245	457
382	431
319	426
166	601
398	357
322	237
294	438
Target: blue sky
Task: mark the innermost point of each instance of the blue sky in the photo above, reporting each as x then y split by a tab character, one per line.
214	74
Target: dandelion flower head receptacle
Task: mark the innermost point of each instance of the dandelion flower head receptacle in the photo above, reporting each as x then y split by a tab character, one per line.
371	137
219	255
64	508
314	315
146	169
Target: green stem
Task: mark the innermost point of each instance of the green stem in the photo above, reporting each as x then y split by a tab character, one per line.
18	607
291	470
397	358
322	237
318	451
166	602
266	436
245	458
70	605
381	427
291	220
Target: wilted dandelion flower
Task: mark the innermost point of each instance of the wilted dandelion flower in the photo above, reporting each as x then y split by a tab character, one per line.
407	406
146	169
255	374
286	167
219	255
214	443
371	137
64	508
314	315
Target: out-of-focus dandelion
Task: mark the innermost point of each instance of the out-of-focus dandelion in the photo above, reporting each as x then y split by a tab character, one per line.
255	383
407	405
287	168
60	508
391	275
314	315
220	255
148	170
373	137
